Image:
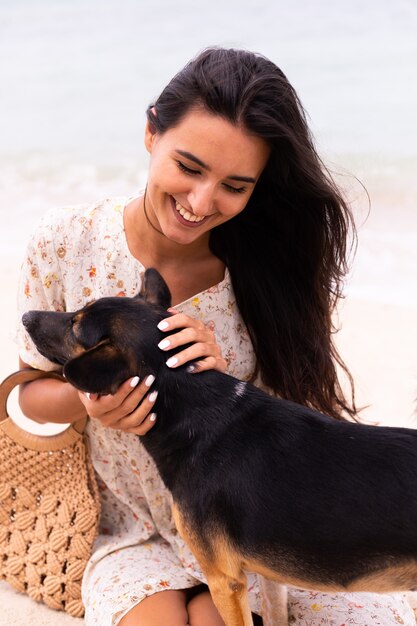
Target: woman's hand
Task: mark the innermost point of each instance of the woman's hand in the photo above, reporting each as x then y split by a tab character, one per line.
204	346
129	409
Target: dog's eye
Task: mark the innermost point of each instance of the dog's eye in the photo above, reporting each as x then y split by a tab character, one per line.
74	326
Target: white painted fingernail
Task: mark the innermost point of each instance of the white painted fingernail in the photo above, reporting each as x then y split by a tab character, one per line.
153	396
149	380
191	369
163	325
87	393
172	361
152	417
164	344
134	381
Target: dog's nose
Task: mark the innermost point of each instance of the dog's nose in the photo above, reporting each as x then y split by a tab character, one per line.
28	319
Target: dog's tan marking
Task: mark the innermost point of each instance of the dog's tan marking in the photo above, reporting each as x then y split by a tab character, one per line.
78	349
401	577
78	318
392	578
284	576
222	568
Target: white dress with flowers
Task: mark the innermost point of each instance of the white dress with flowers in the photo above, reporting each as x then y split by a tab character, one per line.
78	254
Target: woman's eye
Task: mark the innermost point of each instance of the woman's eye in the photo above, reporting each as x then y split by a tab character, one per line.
185	169
235	189
191	172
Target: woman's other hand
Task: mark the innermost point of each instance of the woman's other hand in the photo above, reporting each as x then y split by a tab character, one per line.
204	346
129	409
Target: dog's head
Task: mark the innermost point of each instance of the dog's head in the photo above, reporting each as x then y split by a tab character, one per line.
107	341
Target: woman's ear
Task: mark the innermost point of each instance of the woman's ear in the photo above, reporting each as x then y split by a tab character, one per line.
150	133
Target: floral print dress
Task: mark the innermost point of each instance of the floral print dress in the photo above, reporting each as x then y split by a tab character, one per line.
78	254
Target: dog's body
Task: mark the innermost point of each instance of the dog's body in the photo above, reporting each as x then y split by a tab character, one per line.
259	484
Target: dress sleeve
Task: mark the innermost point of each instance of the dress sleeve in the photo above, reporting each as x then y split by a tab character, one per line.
40	288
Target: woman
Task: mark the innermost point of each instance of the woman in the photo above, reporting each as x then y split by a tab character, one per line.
250	233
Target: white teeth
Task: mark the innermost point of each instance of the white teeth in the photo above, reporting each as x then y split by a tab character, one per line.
186	214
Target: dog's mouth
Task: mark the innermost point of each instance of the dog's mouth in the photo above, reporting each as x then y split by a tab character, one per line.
51	357
59	357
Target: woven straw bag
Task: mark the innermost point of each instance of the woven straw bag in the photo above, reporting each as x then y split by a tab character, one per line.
49	507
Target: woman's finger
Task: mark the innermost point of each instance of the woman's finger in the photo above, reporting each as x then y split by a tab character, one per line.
191	331
141	419
110	409
209	363
99	405
198	351
134	399
144	426
180	320
187	335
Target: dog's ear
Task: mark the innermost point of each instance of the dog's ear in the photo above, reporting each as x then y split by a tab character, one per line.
155	290
99	370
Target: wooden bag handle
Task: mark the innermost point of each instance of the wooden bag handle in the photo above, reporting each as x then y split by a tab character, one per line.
26	375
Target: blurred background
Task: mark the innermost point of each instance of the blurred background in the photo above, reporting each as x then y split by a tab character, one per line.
77	75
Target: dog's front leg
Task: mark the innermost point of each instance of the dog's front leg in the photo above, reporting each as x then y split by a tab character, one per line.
221	567
230	596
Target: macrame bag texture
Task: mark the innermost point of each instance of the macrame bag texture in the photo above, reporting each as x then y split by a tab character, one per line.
49	507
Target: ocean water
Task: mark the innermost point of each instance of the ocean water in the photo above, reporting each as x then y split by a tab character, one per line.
77	75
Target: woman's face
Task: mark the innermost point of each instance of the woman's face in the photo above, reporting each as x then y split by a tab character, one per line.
202	173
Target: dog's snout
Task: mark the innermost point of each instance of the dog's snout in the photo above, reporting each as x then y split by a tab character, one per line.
47	329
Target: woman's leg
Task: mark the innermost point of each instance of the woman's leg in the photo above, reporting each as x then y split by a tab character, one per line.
175	608
165	608
202	611
193	607
119	582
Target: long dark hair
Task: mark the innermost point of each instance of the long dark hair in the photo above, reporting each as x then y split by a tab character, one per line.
287	251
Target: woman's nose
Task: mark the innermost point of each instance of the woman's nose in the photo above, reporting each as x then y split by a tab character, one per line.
201	199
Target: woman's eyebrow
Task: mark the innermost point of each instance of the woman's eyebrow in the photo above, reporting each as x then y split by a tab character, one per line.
197	161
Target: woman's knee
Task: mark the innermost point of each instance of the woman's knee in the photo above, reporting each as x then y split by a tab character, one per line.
202	611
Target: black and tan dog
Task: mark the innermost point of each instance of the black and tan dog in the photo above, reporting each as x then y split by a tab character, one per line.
259	484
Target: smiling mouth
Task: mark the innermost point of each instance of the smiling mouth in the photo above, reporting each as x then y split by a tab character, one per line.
186	215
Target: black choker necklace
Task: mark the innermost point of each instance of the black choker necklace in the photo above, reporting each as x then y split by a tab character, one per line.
146	215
